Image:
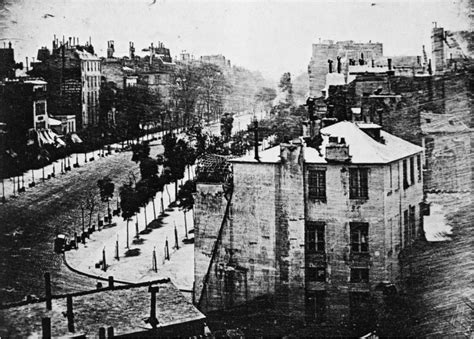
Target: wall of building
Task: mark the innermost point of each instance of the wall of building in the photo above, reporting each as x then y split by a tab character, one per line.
322	52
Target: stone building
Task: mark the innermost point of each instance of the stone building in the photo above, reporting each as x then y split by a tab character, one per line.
73	73
319	229
348	52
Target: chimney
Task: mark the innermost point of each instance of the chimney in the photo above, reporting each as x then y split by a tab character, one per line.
338	64
389	61
255	131
70	39
418	60
27	65
9	45
430	70
337	150
330	65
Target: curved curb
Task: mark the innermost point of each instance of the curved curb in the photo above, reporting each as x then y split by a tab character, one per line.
91	276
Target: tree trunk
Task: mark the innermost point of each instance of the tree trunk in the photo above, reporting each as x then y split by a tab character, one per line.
128	235
162	204
168	192
146	220
154	209
176	190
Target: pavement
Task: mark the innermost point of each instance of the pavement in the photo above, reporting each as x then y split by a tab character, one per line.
150	242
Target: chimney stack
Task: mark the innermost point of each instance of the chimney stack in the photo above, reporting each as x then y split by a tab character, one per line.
338	64
389	64
27	65
330	65
255	131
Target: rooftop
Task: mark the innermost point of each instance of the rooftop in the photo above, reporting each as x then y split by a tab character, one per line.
124	309
362	148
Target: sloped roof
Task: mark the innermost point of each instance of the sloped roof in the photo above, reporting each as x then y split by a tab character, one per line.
123	308
362	148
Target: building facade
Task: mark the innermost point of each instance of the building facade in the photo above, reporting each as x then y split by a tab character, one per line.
73	73
318	229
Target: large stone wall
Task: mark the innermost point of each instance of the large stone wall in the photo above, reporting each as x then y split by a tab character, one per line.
322	52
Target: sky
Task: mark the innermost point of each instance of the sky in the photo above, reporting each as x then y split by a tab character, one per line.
265	35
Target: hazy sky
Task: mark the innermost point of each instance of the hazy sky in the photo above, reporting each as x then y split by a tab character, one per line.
270	36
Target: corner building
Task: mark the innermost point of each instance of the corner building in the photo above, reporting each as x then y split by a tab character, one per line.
319	229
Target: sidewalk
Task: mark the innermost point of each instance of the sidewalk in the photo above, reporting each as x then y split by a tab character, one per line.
139	268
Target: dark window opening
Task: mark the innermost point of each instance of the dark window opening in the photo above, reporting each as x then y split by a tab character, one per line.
317	184
405	175
359	275
315	241
412	171
359	237
316	274
358	183
418	165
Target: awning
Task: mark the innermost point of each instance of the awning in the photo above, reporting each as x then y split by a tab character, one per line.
54	122
42	139
75	138
58	142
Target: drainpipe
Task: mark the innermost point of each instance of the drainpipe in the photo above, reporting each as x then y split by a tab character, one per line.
255	130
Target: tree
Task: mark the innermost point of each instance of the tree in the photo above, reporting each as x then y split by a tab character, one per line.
212	88
226	126
284	100
185	90
264	97
128	203
176	155
89	204
106	189
137	106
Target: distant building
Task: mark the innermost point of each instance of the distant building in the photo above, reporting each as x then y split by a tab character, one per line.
452	50
319	229
325	54
218	60
73	73
7	62
153	71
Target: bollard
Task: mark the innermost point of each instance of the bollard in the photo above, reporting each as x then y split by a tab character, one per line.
102	333
176	237
117	250
70	315
136	230
111	282
46	326
167	250
153	264
104	263
110	332
47	286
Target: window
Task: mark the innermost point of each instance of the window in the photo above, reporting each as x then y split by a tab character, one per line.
418	166
359	275
316	274
412	171
314	237
317	184
316	305
358	183
40	108
405	175
359	237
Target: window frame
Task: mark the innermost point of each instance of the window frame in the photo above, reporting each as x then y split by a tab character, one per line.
317	183
359	183
359	231
315	230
